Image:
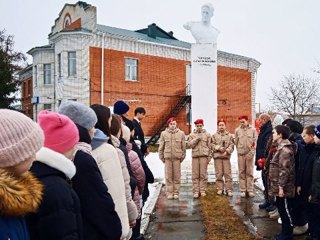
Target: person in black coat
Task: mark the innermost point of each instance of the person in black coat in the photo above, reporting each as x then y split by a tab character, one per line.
263	145
139	115
313	207
306	158
59	215
299	218
100	220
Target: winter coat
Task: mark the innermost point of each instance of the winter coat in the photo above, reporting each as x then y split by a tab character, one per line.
59	214
139	135
172	145
304	177
262	142
296	138
138	173
108	162
282	169
132	209
19	195
200	142
222	140
146	169
100	220
315	185
245	139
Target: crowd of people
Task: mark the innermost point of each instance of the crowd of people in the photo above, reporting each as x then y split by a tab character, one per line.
78	173
288	156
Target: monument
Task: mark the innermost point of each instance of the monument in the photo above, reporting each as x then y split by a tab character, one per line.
204	103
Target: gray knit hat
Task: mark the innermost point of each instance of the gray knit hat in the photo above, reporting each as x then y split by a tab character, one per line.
20	138
79	113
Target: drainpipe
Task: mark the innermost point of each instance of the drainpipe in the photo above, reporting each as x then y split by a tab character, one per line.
102	70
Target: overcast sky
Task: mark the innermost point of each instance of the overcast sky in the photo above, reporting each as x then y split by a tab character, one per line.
284	35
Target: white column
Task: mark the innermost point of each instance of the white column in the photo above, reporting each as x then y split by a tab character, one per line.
204	84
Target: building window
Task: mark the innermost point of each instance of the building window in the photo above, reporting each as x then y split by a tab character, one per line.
35	75
72	62
131	69
46	106
59	65
47	73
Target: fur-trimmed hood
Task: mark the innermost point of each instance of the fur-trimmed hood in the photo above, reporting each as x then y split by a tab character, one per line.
57	161
19	195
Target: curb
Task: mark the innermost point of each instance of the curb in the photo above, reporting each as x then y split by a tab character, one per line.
149	208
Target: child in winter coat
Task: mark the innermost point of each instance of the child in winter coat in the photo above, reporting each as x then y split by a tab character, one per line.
282	179
200	142
109	164
116	131
222	146
136	167
59	215
172	151
20	192
313	207
100	220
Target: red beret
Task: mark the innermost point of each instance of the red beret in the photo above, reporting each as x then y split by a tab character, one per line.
221	120
245	117
199	121
171	120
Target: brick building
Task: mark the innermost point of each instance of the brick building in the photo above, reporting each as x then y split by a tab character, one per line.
25	77
148	67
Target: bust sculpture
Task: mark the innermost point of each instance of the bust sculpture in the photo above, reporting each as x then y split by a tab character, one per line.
203	31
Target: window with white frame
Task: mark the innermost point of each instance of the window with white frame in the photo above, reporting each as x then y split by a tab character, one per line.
131	69
47	73
59	64
72	64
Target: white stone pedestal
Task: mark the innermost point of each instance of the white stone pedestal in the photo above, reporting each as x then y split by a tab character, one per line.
204	103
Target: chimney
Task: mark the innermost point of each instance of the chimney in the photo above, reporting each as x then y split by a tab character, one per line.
152	30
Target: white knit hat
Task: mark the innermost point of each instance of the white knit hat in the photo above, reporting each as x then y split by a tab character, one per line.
20	138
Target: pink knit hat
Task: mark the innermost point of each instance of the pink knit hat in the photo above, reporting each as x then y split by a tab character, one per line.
20	138
61	134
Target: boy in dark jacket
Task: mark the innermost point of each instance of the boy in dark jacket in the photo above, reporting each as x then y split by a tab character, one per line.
282	179
313	208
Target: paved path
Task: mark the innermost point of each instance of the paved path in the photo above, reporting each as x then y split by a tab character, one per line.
181	219
176	219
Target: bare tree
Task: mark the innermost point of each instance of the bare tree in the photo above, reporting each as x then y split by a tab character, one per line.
296	95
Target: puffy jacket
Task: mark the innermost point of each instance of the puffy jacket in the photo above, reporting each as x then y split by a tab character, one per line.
59	214
132	209
282	169
200	142
138	173
15	192
108	162
245	139
222	140
172	145
100	220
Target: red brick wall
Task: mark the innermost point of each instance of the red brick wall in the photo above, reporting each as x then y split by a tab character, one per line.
74	25
234	95
26	88
160	83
